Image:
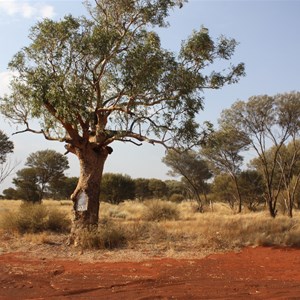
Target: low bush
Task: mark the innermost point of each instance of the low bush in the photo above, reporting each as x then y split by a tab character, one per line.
176	198
158	210
107	236
34	218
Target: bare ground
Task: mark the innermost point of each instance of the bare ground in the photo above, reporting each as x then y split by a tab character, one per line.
252	273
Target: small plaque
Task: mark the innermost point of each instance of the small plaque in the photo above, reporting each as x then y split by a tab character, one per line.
82	202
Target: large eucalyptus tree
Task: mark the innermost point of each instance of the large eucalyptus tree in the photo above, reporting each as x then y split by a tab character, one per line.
92	81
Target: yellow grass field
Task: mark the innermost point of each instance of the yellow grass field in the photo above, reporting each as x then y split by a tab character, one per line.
190	234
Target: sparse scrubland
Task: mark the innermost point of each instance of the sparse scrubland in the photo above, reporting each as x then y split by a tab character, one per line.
164	227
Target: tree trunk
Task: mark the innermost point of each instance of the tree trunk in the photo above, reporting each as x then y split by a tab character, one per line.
86	195
238	192
272	208
290	205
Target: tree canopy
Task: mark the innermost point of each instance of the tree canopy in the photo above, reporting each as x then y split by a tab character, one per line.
193	169
117	188
45	169
107	78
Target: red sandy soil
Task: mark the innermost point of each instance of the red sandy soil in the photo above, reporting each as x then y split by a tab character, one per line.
253	273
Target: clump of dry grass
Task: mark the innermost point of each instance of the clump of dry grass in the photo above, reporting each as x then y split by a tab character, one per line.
9	205
33	218
158	210
129	210
107	236
218	232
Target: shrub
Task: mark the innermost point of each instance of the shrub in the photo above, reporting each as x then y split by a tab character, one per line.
34	218
158	210
107	236
58	221
177	198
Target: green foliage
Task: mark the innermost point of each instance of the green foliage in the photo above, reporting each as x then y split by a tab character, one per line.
6	147
34	218
26	184
176	187
49	166
77	72
252	188
157	188
62	187
116	188
193	169
153	188
142	191
48	163
10	194
45	171
267	120
222	149
223	190
161	211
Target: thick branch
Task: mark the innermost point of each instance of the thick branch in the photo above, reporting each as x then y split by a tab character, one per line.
68	127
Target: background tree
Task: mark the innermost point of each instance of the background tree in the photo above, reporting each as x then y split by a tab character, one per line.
6	147
222	150
289	165
267	121
176	190
141	188
158	188
251	188
286	171
93	81
223	190
26	184
10	194
117	188
49	166
193	169
62	187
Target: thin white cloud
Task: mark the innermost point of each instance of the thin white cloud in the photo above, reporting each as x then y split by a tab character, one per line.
47	11
26	9
5	78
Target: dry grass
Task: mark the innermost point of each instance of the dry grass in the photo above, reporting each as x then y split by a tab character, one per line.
107	236
34	218
157	210
189	232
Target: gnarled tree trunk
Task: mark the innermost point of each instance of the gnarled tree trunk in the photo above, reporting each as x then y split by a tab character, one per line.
86	195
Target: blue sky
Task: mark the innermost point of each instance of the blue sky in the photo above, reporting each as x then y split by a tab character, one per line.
268	33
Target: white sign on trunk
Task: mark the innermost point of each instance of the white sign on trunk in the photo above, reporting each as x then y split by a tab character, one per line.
82	202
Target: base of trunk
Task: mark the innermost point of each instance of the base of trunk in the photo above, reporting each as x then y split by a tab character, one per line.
80	224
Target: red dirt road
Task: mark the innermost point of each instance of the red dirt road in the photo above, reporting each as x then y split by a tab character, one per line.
253	273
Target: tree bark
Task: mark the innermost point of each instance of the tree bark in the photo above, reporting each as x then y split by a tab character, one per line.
272	208
238	193
85	198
